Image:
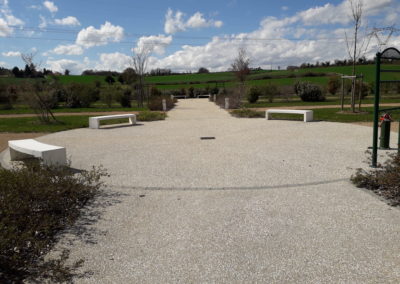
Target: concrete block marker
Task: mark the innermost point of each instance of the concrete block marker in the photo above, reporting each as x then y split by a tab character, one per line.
226	103
164	105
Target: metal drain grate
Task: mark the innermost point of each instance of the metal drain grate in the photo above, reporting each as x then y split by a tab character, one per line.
207	138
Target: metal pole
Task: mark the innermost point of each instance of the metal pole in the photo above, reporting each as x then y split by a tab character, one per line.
342	97
398	141
376	110
360	92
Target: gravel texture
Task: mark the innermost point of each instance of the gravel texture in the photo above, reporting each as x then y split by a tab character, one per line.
265	202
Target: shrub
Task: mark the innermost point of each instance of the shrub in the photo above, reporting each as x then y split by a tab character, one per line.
271	91
151	116
155	92
384	180
248	113
155	103
8	96
333	84
80	95
125	98
253	94
191	92
51	199
309	92
364	90
234	98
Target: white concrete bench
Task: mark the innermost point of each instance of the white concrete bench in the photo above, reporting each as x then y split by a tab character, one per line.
28	148
308	114
94	122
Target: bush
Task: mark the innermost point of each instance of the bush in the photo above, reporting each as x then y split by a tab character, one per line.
309	92
8	96
234	98
364	90
154	92
253	94
155	103
51	199
248	113
125	98
151	116
384	180
271	91
80	95
333	84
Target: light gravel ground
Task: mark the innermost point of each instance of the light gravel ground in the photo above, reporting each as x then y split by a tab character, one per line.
265	202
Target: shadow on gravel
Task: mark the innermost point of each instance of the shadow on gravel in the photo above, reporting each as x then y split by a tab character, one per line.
84	231
240	187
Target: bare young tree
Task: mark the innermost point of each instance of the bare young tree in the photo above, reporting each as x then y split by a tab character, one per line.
28	59
356	46
140	60
240	67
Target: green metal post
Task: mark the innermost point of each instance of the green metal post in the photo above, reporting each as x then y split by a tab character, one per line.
398	141
376	110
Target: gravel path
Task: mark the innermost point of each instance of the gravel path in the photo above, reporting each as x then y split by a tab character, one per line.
265	202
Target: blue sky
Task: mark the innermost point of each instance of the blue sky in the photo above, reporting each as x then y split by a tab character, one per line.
183	35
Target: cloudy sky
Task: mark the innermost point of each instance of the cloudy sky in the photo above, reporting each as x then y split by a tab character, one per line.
183	34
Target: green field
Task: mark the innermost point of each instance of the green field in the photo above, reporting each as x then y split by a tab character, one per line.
318	75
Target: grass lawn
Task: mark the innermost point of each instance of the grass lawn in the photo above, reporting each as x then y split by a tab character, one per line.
32	124
324	114
331	100
23	109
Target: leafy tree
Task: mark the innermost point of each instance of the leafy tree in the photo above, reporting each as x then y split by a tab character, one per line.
203	70
129	76
333	84
109	79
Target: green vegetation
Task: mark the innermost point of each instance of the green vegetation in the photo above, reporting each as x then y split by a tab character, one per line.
383	180
32	124
323	114
248	113
37	202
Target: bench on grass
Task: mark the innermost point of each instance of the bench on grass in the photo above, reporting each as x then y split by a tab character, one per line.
94	122
28	148
308	114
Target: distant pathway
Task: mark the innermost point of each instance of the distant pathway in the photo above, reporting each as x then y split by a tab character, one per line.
263	202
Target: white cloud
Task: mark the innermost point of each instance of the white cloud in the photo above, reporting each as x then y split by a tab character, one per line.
43	22
68	21
5	30
76	67
11	54
285	8
107	33
50	6
156	43
70	49
174	22
3	64
198	21
114	61
7	20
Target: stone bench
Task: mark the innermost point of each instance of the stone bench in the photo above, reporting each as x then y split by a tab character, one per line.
94	122
308	114
28	148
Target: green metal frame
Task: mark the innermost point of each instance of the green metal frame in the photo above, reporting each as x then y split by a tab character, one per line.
377	110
